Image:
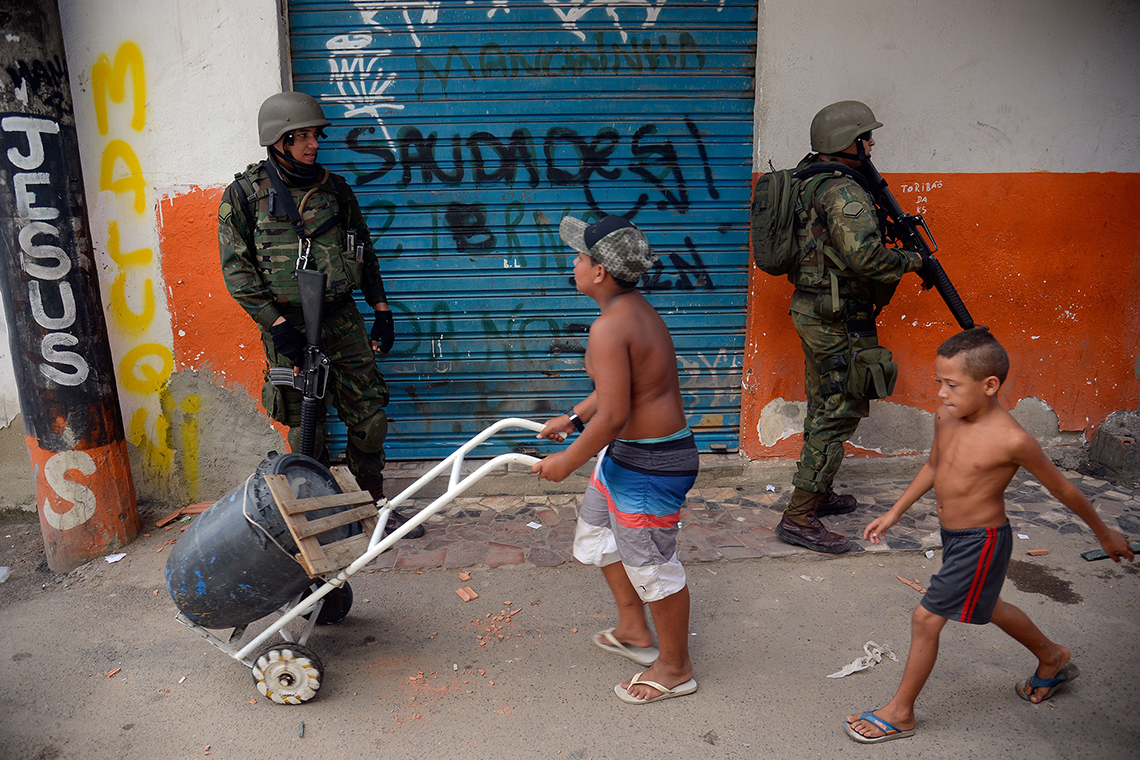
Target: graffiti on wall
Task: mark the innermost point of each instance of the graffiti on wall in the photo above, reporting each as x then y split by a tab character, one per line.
136	305
44	260
447	171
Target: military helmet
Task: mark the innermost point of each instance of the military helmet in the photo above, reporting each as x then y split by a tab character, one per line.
285	112
836	126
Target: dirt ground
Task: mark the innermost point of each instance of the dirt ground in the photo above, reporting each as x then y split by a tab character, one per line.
22	552
97	666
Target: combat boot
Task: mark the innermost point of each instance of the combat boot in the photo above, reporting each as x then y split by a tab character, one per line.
836	504
802	527
375	487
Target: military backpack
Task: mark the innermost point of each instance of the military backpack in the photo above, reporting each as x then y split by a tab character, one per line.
779	206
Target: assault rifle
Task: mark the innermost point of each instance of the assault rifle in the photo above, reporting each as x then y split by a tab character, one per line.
313	376
903	230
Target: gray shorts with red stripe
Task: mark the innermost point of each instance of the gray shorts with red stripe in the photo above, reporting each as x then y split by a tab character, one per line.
974	563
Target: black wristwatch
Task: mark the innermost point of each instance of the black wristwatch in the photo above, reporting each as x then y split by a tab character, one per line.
575	420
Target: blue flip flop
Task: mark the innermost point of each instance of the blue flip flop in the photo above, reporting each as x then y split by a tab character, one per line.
889	731
1065	674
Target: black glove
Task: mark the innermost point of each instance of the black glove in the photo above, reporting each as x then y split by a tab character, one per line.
928	272
384	331
289	342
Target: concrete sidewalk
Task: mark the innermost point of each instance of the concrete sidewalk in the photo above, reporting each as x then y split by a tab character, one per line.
97	667
731	513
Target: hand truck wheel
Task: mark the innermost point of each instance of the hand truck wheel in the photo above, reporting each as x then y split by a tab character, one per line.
337	603
289	674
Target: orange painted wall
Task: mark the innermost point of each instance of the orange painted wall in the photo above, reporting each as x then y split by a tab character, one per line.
210	330
1050	262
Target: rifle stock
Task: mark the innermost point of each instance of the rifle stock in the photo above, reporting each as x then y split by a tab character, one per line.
905	231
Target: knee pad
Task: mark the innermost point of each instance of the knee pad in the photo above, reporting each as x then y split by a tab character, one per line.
818	464
368	435
833	457
364	454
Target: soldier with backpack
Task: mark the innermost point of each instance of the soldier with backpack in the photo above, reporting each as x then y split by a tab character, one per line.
287	213
819	225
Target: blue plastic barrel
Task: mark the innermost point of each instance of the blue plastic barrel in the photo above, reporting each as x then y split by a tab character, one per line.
235	563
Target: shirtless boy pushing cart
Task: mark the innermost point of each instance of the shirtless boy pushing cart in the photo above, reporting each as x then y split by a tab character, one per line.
647	459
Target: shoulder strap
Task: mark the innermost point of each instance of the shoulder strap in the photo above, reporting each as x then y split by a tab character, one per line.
286	200
809	189
835	168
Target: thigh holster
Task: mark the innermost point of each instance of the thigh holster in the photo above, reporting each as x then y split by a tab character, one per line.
871	370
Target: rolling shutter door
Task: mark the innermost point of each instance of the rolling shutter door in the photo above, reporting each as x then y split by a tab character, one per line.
468	129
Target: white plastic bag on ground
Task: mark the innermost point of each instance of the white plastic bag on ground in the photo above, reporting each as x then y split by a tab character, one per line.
875	654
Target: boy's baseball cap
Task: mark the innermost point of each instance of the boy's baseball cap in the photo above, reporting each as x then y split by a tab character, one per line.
612	241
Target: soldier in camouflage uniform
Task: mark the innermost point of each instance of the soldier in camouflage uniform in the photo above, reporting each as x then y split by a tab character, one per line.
262	238
845	276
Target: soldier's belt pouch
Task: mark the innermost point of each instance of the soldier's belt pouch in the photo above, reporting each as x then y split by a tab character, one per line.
871	371
828	308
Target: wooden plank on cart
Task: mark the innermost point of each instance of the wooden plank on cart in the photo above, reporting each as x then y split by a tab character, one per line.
318	559
308	528
343	553
328	501
348	484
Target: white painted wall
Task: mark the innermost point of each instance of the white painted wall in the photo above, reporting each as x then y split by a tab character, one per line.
966	86
208	67
971	86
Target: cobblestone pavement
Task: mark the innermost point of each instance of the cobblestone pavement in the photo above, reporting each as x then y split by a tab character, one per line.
724	523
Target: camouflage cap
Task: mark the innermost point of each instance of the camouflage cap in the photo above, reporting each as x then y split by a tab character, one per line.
614	242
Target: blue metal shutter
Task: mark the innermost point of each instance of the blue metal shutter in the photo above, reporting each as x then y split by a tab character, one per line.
468	129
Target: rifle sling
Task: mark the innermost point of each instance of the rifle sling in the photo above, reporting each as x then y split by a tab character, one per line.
286	199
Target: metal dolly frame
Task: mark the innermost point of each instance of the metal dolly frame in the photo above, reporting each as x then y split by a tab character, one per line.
290	673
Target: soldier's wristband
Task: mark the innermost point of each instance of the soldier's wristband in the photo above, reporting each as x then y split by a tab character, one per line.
575	420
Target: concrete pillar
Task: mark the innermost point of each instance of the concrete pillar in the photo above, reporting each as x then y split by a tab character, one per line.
64	371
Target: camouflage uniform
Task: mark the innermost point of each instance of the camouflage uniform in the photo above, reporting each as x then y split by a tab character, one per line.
843	235
258	257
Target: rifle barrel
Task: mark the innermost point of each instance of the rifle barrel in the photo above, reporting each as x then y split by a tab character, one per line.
906	231
950	296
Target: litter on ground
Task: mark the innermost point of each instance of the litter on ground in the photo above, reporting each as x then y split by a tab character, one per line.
874	655
913	584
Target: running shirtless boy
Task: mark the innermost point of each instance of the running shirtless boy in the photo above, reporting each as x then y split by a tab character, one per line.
637	422
978	447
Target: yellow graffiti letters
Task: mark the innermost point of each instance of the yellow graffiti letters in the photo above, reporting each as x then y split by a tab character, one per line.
134	322
157	453
108	81
191	405
137	370
133	182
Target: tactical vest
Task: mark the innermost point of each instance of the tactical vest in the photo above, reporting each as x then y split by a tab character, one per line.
837	292
277	247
